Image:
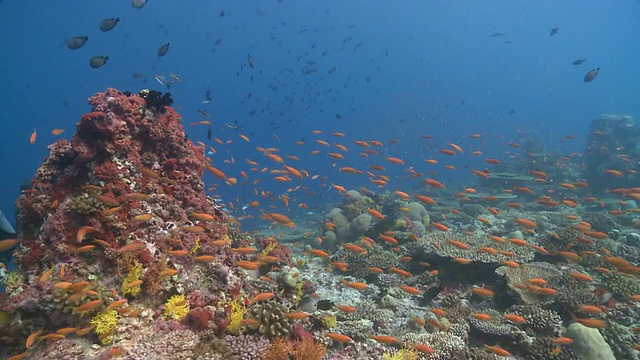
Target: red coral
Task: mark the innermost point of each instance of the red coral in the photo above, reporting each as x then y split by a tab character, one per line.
198	319
300	333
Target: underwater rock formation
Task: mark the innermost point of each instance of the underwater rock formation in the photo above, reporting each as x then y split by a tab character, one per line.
588	343
613	139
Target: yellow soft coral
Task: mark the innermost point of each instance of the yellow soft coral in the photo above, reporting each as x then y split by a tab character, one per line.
404	354
269	248
176	307
299	293
196	245
105	325
236	316
329	321
135	272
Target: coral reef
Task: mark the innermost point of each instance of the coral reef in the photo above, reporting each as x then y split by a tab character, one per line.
120	206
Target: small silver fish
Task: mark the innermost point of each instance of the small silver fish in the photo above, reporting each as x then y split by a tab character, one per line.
161	79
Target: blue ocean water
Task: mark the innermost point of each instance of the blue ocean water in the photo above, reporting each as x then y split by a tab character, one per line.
402	69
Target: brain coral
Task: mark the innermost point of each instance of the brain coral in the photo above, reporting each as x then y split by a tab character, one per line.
273	321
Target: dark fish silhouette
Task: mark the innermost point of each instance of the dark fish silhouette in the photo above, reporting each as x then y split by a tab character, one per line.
250	60
497	34
209	133
108	24
589	76
222	13
162	51
578	61
207	96
77	42
554	31
98	61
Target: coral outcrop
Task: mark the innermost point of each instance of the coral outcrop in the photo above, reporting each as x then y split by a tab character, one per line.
611	136
115	221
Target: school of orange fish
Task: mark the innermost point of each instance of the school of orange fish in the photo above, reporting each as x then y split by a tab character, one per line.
280	209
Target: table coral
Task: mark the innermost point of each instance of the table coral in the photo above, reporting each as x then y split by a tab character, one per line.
438	244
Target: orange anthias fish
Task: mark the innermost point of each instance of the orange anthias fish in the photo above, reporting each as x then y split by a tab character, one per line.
481	316
339	337
460	245
376	214
385	339
516	319
346	308
91	305
422	348
498	350
263	297
593	323
297	315
320	253
484	292
355	285
409	289
563	341
526	223
248	265
32	138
